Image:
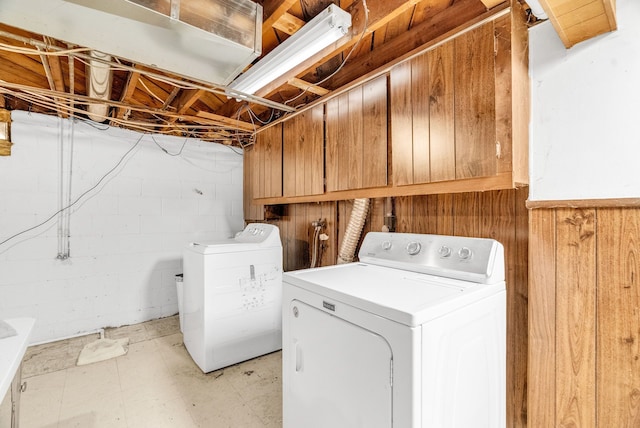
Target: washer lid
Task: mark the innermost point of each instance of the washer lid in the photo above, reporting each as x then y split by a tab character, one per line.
406	297
255	236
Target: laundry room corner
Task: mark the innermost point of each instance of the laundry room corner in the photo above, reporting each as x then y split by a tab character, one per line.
134	199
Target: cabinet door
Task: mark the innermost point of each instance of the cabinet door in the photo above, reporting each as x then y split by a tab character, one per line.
251	168
356	151
303	153
443	111
335	374
268	148
475	98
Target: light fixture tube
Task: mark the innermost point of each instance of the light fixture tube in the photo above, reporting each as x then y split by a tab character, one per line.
327	27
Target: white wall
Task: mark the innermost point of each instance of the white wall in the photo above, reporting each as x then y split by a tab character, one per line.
126	236
585	138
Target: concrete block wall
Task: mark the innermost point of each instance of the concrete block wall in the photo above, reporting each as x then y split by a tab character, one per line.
126	235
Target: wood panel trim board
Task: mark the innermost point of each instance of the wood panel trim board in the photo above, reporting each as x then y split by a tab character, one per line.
478	184
585	203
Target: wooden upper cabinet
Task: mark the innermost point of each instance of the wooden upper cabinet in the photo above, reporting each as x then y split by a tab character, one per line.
303	153
268	153
251	168
356	137
460	110
475	103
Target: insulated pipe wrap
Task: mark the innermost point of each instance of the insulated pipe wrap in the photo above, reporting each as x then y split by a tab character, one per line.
354	229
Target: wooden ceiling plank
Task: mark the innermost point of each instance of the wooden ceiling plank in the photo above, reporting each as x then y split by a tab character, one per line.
585	30
288	24
427	9
246	126
381	12
583	14
565	14
563	7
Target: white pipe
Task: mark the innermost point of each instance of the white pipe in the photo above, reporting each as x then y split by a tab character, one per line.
60	183
99	79
354	229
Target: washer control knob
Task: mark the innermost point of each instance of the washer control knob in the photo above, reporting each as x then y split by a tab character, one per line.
386	245
413	248
254	231
465	253
444	251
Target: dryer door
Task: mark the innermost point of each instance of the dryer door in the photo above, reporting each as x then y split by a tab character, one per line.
337	373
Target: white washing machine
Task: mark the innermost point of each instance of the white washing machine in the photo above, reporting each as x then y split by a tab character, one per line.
232	297
413	335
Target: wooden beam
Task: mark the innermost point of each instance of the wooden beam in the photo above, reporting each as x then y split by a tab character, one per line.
492	3
226	121
127	92
186	99
55	66
172	96
288	24
307	87
480	184
273	10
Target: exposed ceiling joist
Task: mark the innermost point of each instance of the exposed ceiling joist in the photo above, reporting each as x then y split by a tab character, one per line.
41	73
288	24
307	87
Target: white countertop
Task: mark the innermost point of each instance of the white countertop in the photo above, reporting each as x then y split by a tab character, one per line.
12	351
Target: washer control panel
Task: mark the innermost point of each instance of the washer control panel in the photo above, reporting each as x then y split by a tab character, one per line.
257	232
449	256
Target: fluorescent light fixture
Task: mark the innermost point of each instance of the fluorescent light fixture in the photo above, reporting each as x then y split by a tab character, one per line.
327	27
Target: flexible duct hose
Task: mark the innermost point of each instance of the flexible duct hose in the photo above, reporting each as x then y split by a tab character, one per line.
354	229
315	253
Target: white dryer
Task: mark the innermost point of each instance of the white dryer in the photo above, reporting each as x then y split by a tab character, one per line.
232	297
413	335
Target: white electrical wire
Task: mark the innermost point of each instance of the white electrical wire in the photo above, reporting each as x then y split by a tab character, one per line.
78	198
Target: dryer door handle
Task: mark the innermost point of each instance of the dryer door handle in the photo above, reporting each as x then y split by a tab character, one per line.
298	356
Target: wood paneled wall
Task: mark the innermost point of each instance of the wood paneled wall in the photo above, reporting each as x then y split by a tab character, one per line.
501	215
584	318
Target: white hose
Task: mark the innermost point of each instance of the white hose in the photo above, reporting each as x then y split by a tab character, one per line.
354	229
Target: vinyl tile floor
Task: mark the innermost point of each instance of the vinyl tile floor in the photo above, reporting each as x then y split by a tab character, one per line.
156	384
